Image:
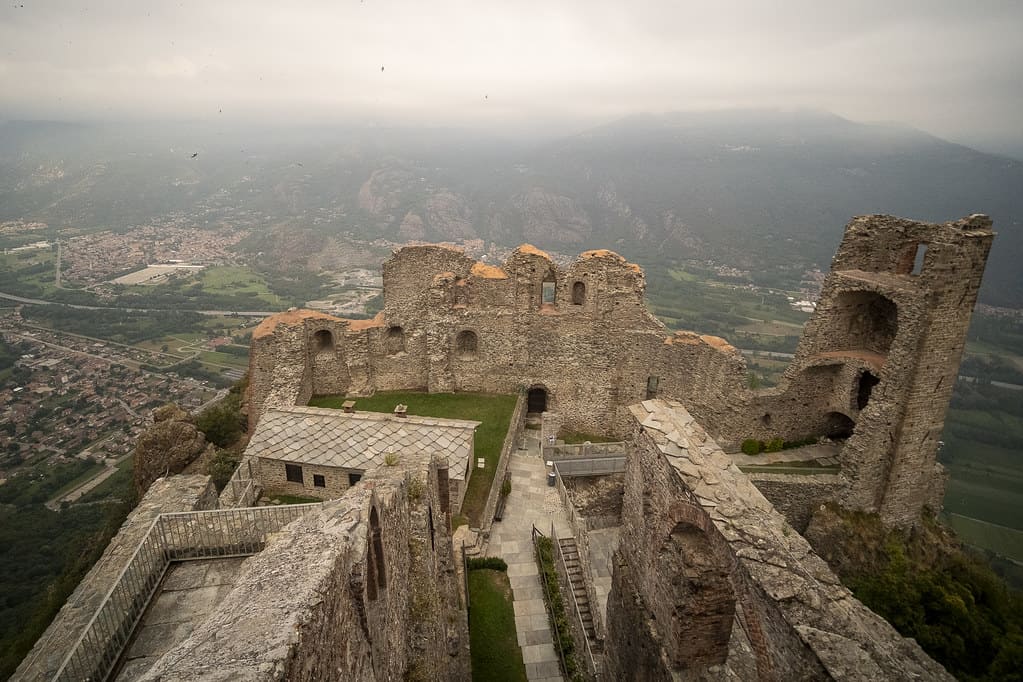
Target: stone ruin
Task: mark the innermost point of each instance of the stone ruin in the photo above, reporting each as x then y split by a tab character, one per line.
712	579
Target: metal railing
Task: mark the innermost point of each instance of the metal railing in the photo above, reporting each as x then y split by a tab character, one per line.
177	536
575	602
597	466
240	490
585	450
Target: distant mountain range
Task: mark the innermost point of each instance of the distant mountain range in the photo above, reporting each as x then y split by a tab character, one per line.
758	189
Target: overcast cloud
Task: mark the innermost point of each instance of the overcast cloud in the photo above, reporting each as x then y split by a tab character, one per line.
953	68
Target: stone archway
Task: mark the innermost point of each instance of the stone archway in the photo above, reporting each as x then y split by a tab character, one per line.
536	400
838	426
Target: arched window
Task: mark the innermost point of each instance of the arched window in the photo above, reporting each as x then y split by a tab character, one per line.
323	341
467	345
578	293
549	288
395	340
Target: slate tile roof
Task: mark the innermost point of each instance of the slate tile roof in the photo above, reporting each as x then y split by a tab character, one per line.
332	438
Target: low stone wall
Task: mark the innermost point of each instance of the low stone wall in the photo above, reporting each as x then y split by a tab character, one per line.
511	442
177	493
363	589
797	496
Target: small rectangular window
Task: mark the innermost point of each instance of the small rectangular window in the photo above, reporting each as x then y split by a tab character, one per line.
651	387
353	479
293	472
319	481
918	260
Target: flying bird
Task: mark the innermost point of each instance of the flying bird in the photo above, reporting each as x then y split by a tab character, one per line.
381	68
195	155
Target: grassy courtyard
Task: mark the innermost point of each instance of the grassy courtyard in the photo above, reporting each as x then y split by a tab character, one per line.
494	646
493	411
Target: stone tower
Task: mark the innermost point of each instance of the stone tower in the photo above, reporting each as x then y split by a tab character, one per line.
880	355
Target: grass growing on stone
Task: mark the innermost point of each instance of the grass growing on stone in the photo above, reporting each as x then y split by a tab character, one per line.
494	411
493	641
577	437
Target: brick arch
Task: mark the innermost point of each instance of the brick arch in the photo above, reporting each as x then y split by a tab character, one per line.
694	568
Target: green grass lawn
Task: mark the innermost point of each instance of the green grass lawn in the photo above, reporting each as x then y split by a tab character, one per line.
576	437
494	411
224	359
494	646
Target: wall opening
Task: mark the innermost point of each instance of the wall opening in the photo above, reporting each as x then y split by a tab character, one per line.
549	289
467	345
838	426
536	400
864	388
323	341
918	260
293	473
377	579
578	293
651	387
395	340
319	481
429	518
353	479
864	320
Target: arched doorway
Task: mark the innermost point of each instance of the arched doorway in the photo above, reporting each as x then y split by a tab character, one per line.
864	388
838	426
536	400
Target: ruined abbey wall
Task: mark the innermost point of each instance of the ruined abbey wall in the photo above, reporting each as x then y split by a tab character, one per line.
710	582
875	366
364	589
453	324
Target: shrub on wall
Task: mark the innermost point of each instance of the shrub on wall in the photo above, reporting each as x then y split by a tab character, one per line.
752	446
494	563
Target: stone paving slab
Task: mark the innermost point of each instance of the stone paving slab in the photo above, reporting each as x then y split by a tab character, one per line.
530	502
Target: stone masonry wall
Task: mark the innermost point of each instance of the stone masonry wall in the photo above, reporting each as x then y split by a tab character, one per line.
173	494
706	562
327	600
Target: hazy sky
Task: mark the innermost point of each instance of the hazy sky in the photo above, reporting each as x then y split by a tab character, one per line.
951	67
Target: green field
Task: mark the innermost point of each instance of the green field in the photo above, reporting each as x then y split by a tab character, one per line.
496	656
230	280
493	411
999	539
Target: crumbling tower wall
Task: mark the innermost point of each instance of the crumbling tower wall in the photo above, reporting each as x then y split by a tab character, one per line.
878	359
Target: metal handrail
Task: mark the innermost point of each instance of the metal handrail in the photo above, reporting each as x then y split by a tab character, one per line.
174	536
575	602
586	450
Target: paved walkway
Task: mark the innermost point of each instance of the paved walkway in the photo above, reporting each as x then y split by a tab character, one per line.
825	453
530	502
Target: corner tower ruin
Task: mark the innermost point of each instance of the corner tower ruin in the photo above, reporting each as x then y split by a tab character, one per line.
878	359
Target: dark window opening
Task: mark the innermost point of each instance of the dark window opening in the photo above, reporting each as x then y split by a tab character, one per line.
766	419
442	489
536	400
467	345
866	385
549	289
293	472
651	387
319	481
838	426
323	341
353	479
578	293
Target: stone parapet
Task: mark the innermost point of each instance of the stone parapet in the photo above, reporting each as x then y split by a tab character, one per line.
174	494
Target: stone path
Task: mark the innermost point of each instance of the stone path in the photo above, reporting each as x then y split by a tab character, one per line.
530	502
190	592
825	453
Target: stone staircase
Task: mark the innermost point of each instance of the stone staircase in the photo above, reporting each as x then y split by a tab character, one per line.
575	576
